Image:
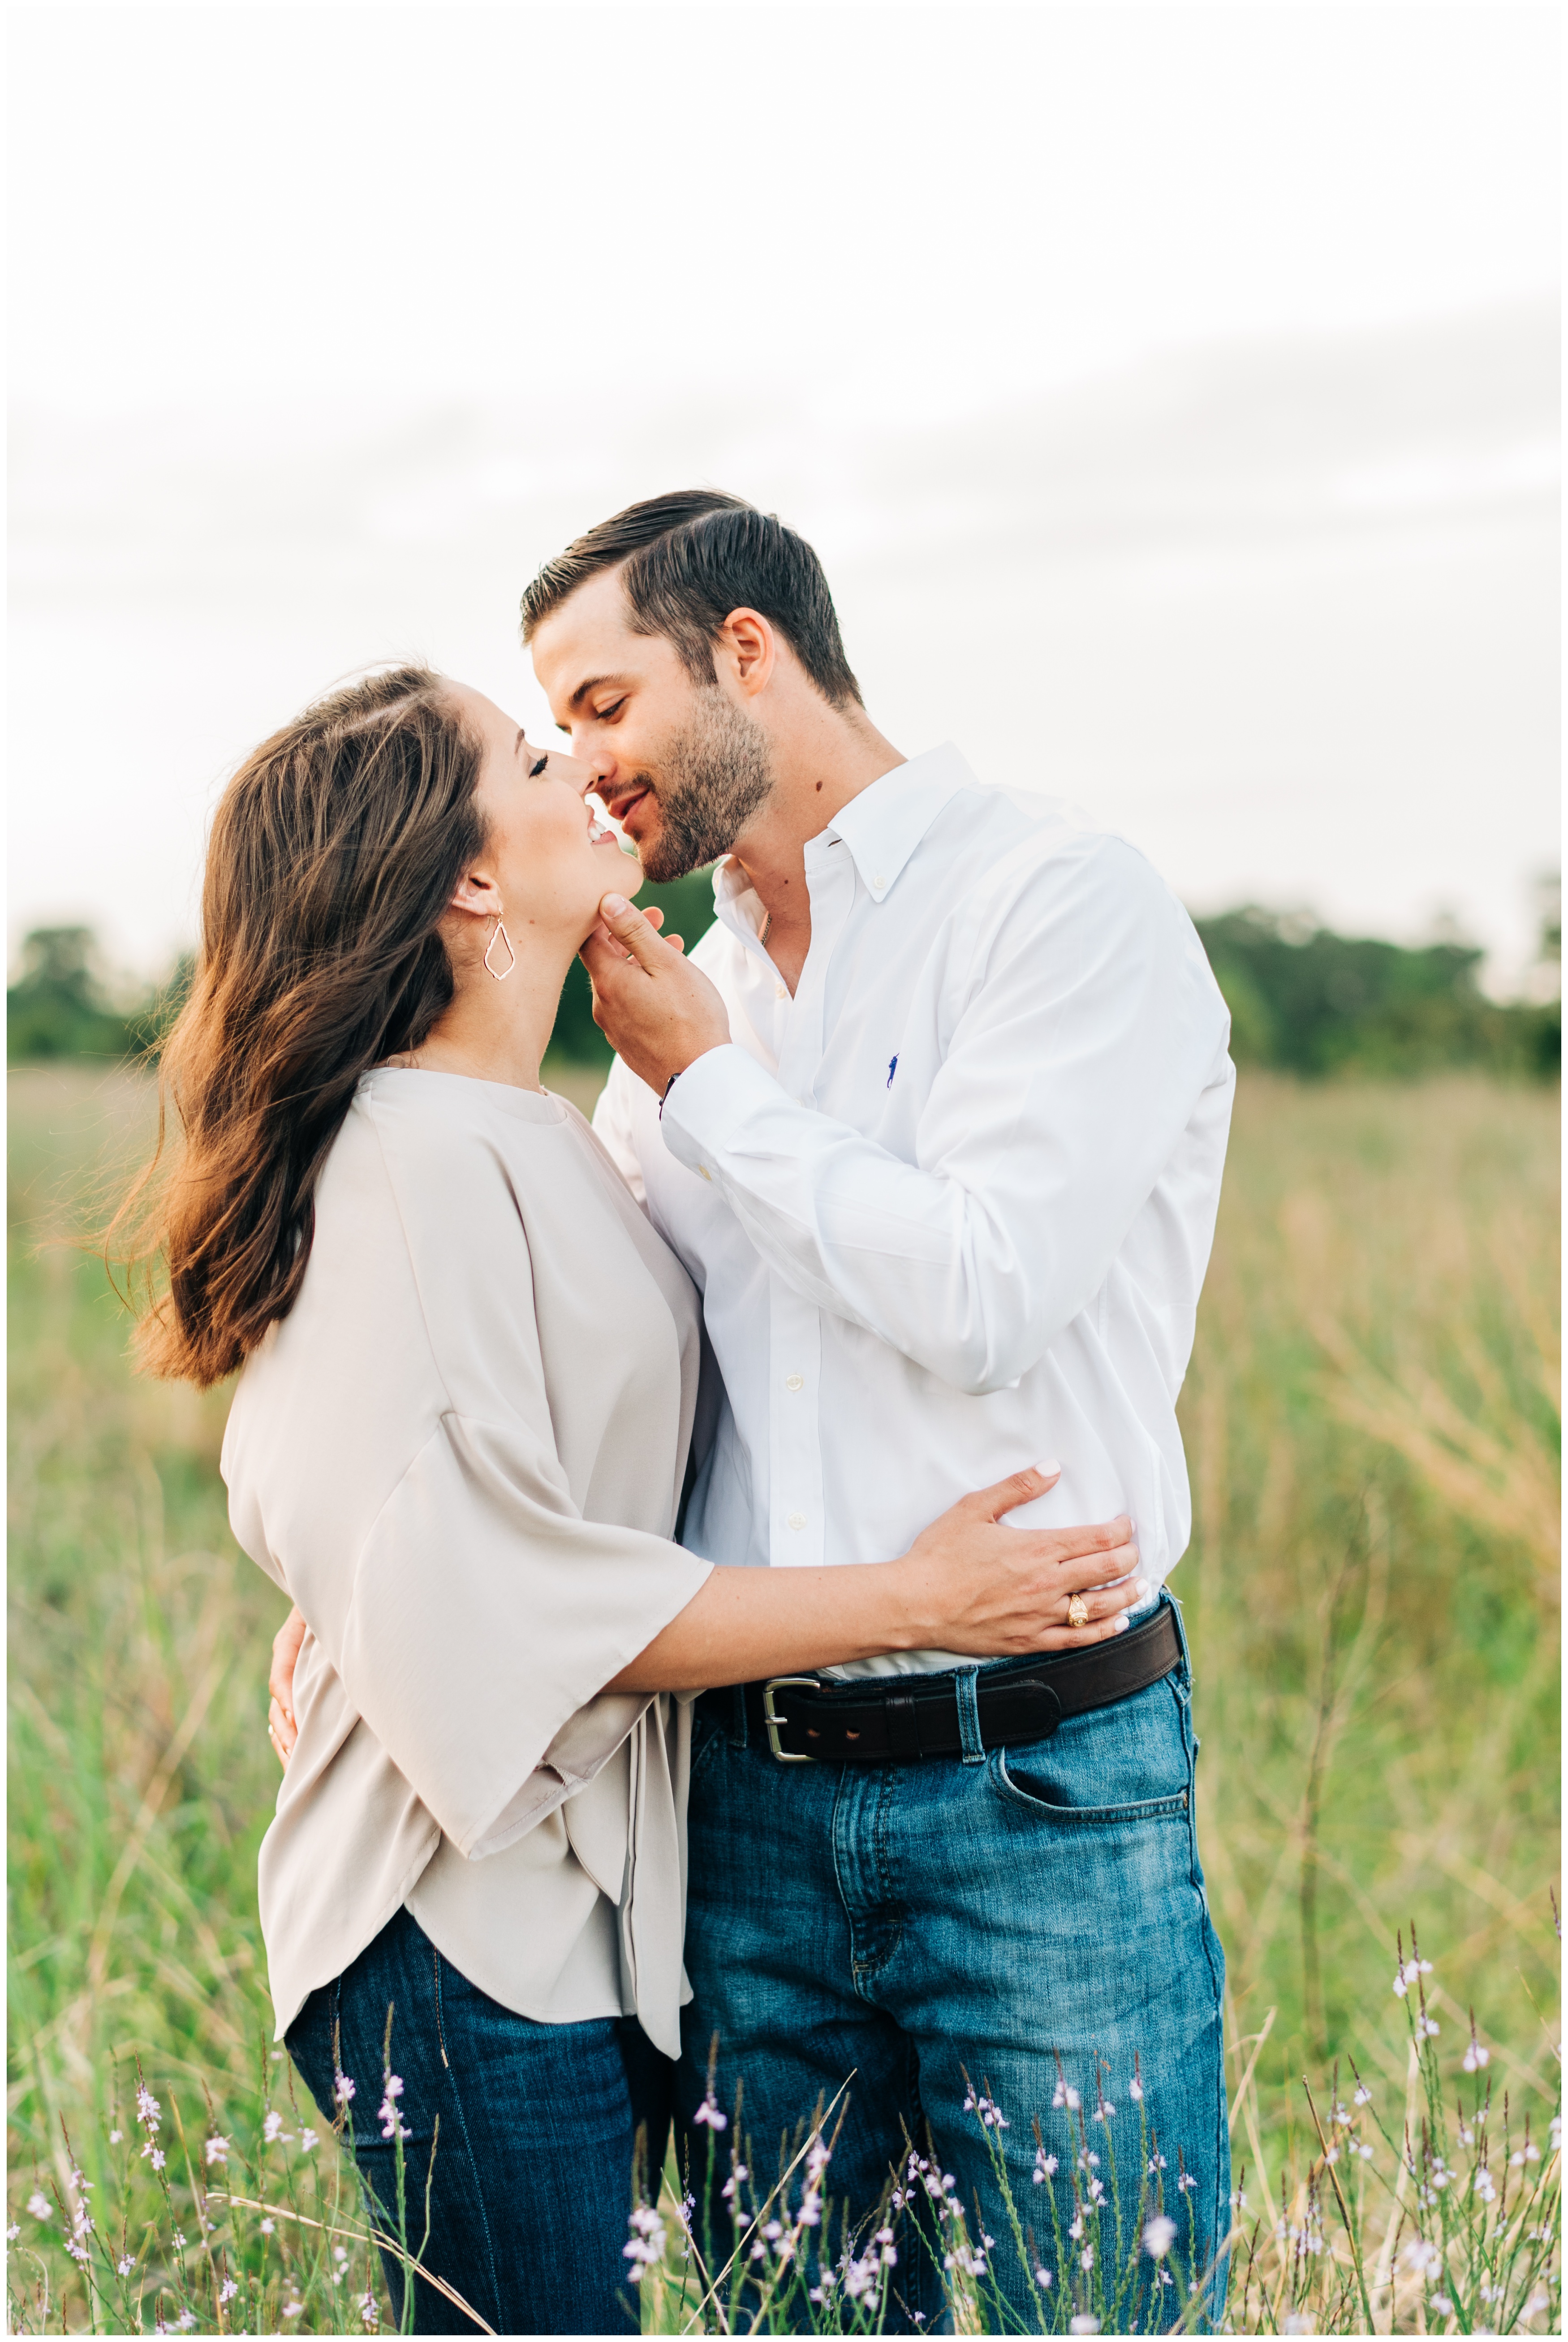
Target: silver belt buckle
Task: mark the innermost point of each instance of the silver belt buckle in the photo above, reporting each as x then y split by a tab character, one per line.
774	1721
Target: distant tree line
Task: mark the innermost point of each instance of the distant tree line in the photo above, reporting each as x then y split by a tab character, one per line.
1302	999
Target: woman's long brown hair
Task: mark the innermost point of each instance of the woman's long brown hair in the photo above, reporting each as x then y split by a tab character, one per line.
334	854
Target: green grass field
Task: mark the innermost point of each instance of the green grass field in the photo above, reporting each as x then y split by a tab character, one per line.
1373	1427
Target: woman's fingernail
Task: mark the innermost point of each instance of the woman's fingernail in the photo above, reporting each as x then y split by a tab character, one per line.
1122	1623
614	905
1045	1470
1141	1585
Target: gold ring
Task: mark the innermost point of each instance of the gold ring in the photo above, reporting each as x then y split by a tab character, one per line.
1077	1611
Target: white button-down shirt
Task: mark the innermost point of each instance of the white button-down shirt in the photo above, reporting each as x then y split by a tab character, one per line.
950	1206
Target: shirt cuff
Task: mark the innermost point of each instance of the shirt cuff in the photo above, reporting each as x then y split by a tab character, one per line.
709	1102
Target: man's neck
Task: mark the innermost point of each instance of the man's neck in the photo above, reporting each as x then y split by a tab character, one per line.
826	759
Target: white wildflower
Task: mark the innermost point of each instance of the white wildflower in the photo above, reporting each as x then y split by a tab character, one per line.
38	2205
218	2149
1159	2235
1135	2090
342	2090
710	2113
228	2290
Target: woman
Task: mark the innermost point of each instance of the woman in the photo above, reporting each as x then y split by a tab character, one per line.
458	1443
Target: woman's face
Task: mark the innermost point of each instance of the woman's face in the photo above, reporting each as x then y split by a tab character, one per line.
548	859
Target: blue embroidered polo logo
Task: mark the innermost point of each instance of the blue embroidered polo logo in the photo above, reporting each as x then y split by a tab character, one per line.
891	1071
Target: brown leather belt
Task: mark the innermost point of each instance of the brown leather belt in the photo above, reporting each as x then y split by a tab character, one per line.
899	1719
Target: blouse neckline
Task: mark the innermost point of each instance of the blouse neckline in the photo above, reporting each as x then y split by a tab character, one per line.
522	1106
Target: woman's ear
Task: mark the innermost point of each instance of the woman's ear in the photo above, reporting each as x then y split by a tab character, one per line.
476	893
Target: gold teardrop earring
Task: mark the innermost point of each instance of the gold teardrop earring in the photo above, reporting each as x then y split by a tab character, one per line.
500	974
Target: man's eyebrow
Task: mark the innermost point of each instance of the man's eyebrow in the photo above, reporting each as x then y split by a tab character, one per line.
594	683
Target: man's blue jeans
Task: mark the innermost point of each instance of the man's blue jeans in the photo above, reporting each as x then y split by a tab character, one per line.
1033	1918
530	2181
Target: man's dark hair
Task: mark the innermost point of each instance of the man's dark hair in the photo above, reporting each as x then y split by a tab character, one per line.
686	561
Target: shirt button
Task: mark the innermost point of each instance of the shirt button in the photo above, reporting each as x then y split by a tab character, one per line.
794	1382
705	1172
797	1520
780	993
879	880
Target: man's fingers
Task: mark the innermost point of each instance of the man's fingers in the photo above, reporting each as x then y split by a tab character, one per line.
285	1650
631	930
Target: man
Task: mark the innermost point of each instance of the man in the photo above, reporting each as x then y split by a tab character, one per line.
935	1115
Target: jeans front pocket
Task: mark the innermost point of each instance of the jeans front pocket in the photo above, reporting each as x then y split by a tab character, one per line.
1130	1762
1031	1792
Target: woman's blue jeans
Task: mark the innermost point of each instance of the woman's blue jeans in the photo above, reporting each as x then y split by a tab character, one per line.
1033	1922
532	2176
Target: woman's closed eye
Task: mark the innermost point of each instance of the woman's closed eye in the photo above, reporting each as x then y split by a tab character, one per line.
535	770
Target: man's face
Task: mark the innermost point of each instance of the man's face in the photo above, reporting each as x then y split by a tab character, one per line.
681	765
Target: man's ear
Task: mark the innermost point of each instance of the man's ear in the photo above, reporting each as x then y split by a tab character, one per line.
750	647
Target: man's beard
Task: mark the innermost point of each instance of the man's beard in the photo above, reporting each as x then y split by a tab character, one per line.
712	779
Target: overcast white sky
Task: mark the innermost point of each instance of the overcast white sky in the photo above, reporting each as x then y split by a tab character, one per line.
1171	395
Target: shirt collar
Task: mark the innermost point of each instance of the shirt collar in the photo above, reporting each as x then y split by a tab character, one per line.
882	827
883	824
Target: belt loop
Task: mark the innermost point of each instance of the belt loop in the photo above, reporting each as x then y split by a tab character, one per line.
738	1735
1175	1608
965	1684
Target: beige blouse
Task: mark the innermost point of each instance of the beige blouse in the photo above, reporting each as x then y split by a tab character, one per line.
460	1453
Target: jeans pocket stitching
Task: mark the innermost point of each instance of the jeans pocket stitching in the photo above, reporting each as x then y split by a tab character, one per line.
1137	1809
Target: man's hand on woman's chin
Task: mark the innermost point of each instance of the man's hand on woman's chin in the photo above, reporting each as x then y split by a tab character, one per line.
656	1012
